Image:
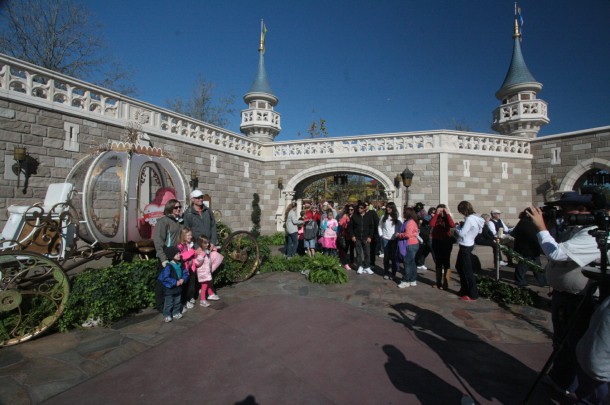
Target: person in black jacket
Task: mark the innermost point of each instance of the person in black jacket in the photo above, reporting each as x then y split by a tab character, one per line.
361	230
526	244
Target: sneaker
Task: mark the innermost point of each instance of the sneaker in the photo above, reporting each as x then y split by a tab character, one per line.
184	309
368	271
386	277
347	267
190	305
503	263
204	303
422	268
360	270
404	284
467	298
168	319
413	283
214	297
381	254
177	316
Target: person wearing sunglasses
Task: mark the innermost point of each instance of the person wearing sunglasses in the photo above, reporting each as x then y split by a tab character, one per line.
200	218
166	234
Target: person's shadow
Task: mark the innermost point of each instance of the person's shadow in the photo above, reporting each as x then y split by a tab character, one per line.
491	373
409	377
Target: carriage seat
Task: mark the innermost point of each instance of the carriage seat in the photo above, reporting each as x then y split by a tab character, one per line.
56	193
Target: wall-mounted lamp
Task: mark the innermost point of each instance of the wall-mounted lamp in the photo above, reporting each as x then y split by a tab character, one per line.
280	183
194	183
24	164
554	182
407	178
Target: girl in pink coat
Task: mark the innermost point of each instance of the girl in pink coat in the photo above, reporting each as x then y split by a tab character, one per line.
206	262
187	252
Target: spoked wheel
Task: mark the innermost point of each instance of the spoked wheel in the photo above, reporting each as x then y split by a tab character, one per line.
33	293
241	254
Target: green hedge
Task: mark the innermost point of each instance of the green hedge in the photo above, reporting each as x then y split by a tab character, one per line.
110	293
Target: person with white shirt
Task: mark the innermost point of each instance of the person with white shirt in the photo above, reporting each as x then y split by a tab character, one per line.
466	232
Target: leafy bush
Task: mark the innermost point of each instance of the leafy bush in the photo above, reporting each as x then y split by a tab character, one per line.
321	269
325	269
503	293
277	239
256	216
110	293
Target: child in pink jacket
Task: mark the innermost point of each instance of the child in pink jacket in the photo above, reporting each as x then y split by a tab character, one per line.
187	252
206	262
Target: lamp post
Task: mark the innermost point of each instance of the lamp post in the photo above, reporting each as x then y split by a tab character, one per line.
407	178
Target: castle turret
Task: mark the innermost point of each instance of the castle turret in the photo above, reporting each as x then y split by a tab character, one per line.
259	121
521	113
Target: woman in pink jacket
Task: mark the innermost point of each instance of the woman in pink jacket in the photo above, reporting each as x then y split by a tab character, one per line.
207	261
408	245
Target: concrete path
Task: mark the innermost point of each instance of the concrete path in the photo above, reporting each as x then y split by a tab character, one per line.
279	339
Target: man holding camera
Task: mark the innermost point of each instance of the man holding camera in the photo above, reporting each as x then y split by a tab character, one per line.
573	249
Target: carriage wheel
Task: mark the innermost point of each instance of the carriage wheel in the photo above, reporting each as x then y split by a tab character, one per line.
33	293
241	254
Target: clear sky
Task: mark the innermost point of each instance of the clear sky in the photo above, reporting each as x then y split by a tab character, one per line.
369	67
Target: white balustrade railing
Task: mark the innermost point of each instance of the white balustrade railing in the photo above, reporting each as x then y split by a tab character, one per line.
22	80
422	142
519	110
42	86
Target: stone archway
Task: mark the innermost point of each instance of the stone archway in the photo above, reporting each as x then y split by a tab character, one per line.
572	178
289	191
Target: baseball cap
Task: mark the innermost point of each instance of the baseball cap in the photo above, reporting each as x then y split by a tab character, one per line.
496	211
196	193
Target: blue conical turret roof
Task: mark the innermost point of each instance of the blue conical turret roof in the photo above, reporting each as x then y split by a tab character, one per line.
261	83
518	72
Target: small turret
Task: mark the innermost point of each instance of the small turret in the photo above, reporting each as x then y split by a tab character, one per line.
521	113
259	121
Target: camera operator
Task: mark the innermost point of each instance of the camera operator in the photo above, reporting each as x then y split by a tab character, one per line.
574	249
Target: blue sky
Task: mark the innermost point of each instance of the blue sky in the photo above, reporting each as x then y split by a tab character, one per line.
369	67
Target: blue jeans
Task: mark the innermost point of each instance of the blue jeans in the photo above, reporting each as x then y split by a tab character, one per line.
172	302
292	241
409	263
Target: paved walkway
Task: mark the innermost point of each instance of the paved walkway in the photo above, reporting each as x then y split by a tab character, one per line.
279	339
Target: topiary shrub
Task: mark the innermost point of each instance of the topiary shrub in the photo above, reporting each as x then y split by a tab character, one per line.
110	293
505	294
256	216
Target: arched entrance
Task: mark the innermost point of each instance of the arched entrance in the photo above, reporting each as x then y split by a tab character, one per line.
294	187
577	176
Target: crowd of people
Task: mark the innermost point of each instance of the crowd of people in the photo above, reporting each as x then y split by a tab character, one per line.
581	362
358	233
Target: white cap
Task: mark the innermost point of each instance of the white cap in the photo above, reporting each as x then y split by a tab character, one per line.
496	211
196	193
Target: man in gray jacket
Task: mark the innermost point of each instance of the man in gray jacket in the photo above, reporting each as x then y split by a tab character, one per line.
200	219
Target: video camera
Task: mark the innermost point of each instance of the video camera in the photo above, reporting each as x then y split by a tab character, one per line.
598	216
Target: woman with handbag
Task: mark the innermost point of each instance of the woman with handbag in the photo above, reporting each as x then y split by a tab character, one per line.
388	227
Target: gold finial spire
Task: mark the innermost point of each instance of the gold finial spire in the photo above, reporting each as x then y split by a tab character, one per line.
261	45
518	22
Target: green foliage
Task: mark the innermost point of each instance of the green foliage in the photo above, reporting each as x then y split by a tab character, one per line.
322	269
282	263
503	293
277	239
110	293
325	269
531	265
256	216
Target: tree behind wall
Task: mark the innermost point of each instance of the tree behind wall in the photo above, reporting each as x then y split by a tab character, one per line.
61	36
203	106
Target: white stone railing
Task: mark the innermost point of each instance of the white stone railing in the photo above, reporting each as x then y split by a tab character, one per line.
518	110
35	85
421	142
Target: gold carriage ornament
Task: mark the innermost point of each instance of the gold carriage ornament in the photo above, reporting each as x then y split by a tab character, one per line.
108	205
